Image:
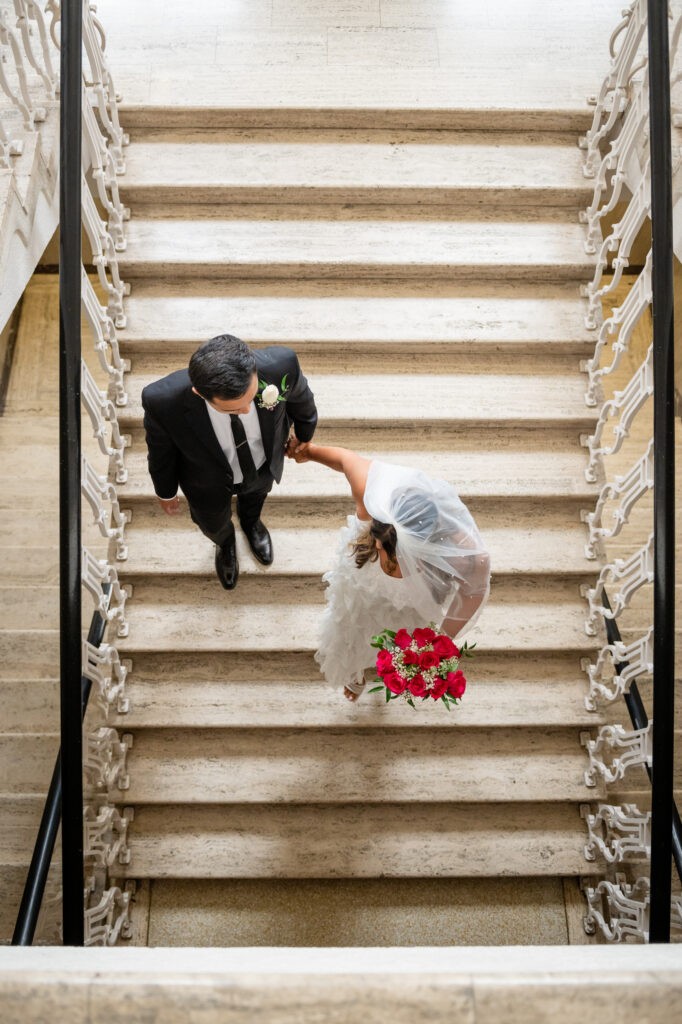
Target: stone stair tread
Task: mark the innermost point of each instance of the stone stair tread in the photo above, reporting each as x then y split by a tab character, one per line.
169	546
392	399
317	248
312	703
416	839
553	320
486	473
337	766
415	167
20	817
200	616
222	95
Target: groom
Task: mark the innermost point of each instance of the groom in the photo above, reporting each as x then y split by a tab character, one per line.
221	428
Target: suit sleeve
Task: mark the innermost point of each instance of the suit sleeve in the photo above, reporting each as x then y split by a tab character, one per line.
301	402
161	455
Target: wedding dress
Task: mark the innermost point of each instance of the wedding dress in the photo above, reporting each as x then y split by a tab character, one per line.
441	556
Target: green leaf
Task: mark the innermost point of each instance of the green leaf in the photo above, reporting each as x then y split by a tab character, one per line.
388	695
410	702
284	382
375	689
391	633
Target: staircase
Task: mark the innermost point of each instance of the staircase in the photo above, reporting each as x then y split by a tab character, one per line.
429	282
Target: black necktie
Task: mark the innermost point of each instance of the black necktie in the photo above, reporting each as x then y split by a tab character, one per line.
246	463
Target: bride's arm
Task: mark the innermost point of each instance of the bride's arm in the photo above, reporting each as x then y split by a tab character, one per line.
343	460
470	597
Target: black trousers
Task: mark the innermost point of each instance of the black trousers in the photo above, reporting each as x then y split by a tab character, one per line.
217	523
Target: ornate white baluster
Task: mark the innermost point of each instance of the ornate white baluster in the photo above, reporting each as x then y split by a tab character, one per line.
632	573
9	146
617	833
108	674
21	98
105	339
625	906
101	84
614	90
620	240
629	488
108	919
111	607
106	835
105	759
639	656
29	9
624	150
97	489
97	156
636	747
628	403
622	321
102	413
676	913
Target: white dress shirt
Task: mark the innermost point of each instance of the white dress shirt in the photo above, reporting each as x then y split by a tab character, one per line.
222	427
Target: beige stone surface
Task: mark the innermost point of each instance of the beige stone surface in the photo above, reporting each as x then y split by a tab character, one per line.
395	912
361	841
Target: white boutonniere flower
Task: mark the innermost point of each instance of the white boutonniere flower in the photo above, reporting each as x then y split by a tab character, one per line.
270	394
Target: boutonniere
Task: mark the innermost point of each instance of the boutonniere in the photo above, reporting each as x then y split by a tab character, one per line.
270	394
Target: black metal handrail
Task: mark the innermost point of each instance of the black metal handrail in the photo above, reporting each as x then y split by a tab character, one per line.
663	739
71	726
640	720
36	879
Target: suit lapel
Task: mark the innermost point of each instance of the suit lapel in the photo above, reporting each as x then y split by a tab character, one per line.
197	416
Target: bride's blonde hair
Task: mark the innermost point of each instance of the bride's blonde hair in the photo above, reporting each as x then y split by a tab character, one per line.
365	547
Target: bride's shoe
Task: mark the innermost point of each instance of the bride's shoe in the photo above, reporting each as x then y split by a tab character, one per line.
353	690
350	695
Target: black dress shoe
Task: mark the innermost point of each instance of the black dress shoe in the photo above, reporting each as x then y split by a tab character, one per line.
260	542
226	564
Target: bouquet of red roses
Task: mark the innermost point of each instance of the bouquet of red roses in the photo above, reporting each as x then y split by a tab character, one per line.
420	664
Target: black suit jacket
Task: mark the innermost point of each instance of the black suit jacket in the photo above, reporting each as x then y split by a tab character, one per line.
183	448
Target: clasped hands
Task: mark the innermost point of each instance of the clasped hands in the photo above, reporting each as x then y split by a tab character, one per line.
296	450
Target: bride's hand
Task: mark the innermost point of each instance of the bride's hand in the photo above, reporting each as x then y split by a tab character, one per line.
297	450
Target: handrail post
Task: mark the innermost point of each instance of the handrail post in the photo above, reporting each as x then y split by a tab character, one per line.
71	79
664	475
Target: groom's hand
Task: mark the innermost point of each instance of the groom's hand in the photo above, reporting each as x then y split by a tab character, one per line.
171	507
297	448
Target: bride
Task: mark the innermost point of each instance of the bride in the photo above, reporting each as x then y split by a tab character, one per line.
410	555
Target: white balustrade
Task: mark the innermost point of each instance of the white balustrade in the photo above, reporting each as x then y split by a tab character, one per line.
19	93
105	760
107	918
631	573
635	659
620	911
106	836
628	488
31	20
111	521
96	573
627	403
617	833
635	747
102	413
621	323
103	666
613	96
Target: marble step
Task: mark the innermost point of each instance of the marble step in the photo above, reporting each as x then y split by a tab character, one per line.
327	766
222	95
467	250
356	167
26	762
409	326
212	690
419	840
489	474
20	816
283	615
171	546
391	400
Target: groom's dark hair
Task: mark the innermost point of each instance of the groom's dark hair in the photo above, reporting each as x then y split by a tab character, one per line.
222	367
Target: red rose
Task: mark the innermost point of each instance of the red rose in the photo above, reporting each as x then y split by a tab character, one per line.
456	683
417	687
394	682
439	687
384	662
444	647
403	639
411	658
428	659
424	637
